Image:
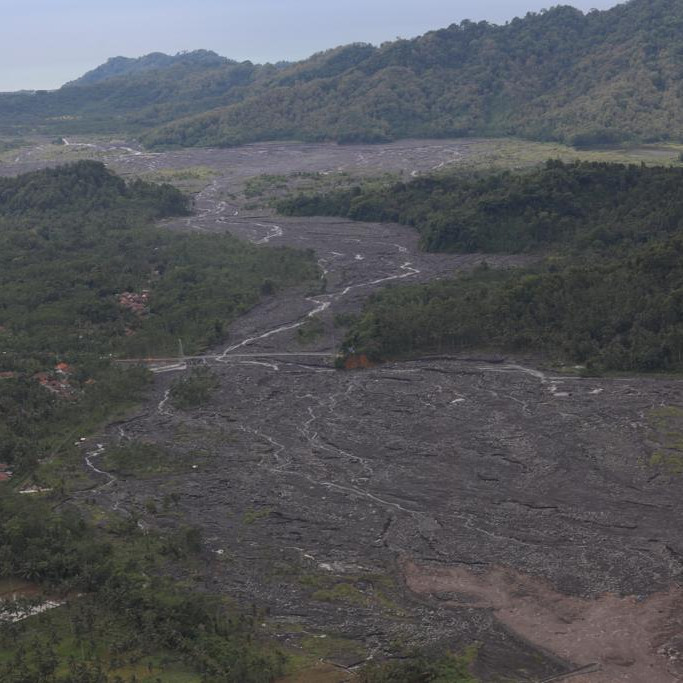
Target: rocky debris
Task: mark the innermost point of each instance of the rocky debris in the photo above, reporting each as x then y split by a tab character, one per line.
526	502
317	481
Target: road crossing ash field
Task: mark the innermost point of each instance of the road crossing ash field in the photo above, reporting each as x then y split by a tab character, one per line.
436	501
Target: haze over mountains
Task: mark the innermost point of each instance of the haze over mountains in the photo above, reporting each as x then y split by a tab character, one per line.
602	77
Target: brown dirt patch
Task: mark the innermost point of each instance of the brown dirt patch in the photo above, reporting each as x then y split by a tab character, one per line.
11	589
631	639
357	362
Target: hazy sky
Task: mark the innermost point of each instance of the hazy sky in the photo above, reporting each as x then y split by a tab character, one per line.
44	43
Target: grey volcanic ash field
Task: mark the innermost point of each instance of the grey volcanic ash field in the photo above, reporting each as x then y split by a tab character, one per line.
437	502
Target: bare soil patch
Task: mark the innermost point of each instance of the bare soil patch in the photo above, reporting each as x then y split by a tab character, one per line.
630	639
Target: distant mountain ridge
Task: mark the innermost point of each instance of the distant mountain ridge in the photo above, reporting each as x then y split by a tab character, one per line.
129	96
125	66
602	77
596	78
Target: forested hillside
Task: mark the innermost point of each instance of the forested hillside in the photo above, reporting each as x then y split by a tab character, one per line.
131	95
609	295
155	61
588	79
603	77
121	619
84	274
617	314
578	206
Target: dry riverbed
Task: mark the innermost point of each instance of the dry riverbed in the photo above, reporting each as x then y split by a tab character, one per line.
433	503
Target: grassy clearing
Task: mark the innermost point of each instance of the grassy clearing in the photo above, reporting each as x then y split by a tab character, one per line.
195	389
667	430
11	144
345	593
317	672
325	647
306	663
372	591
190	179
513	153
311	330
146	460
266	190
250	516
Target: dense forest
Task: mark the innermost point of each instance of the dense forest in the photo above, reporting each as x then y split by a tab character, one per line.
580	206
609	294
599	78
616	314
123	620
84	275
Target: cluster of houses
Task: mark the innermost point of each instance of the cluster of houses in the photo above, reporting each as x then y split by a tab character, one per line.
135	302
58	381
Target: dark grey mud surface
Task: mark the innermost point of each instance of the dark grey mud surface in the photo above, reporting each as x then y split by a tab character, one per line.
434	502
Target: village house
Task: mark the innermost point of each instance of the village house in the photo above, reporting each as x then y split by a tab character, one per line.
58	382
137	303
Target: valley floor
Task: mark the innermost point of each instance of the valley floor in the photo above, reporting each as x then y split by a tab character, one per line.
438	501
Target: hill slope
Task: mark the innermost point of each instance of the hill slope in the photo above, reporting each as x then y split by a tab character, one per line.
557	75
595	78
580	206
609	296
131	95
77	249
125	66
